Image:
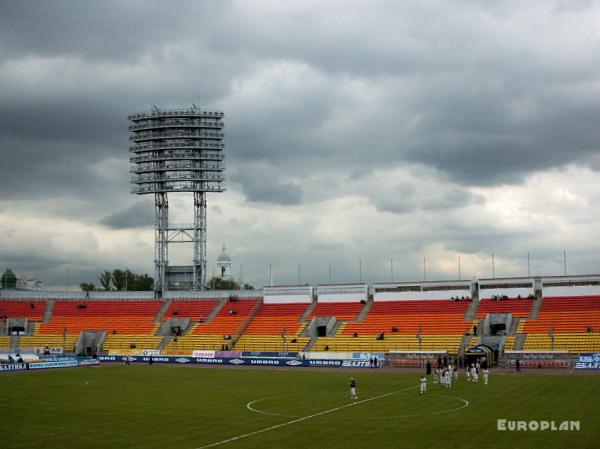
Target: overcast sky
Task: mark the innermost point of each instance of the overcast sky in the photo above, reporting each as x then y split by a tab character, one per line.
355	130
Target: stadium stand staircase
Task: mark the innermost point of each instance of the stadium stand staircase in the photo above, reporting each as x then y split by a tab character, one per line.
365	311
163	310
336	327
246	323
14	341
514	325
310	344
50	303
465	344
471	312
308	311
535	310
164	343
214	312
520	341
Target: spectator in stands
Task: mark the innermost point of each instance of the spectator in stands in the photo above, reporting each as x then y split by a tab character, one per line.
355	334
32	305
590	329
475	330
201	320
326	347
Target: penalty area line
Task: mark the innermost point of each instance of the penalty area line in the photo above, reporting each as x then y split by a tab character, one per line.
303	418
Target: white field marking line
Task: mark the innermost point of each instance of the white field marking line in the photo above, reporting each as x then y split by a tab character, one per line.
303	418
439	412
252	409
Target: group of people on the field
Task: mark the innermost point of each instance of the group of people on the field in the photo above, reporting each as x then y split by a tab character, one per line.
447	372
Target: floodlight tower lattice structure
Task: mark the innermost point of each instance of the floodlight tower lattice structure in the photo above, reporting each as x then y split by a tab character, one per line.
177	151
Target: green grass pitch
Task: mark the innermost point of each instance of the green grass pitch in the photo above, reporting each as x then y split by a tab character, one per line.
192	407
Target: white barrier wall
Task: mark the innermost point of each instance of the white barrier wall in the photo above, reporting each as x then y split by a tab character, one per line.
287	299
419	296
342	297
510	292
576	290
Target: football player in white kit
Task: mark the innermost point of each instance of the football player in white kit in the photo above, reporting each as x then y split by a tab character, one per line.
486	374
423	384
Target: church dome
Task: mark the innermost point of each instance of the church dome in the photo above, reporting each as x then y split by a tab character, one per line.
224	257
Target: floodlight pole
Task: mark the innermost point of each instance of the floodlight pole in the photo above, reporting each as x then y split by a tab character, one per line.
199	281
161	209
177	151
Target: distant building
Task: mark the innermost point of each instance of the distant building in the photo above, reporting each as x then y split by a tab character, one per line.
224	264
9	280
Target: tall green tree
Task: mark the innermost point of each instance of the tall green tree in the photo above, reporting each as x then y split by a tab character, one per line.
143	282
118	280
105	280
87	287
217	283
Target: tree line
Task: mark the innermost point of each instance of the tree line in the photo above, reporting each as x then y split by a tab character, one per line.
120	280
125	280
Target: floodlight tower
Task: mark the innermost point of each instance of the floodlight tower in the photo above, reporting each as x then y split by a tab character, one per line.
177	150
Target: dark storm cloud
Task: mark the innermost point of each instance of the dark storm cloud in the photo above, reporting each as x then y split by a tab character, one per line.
460	81
107	30
262	184
138	215
320	98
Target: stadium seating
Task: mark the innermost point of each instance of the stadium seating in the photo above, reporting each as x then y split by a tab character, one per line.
115	317
122	343
266	329
195	310
574	322
340	310
214	335
33	310
518	307
430	316
441	324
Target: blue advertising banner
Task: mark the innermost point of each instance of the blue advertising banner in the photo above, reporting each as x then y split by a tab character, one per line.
13	367
588	361
61	364
245	361
270	355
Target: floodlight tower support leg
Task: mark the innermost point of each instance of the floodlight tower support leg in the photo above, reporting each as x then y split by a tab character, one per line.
199	240
161	251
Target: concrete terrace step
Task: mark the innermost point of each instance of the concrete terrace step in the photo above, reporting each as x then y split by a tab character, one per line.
365	310
50	303
471	312
310	344
520	341
163	310
216	310
308	311
535	310
514	325
164	343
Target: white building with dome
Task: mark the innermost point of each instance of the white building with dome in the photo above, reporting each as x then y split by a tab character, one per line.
224	265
